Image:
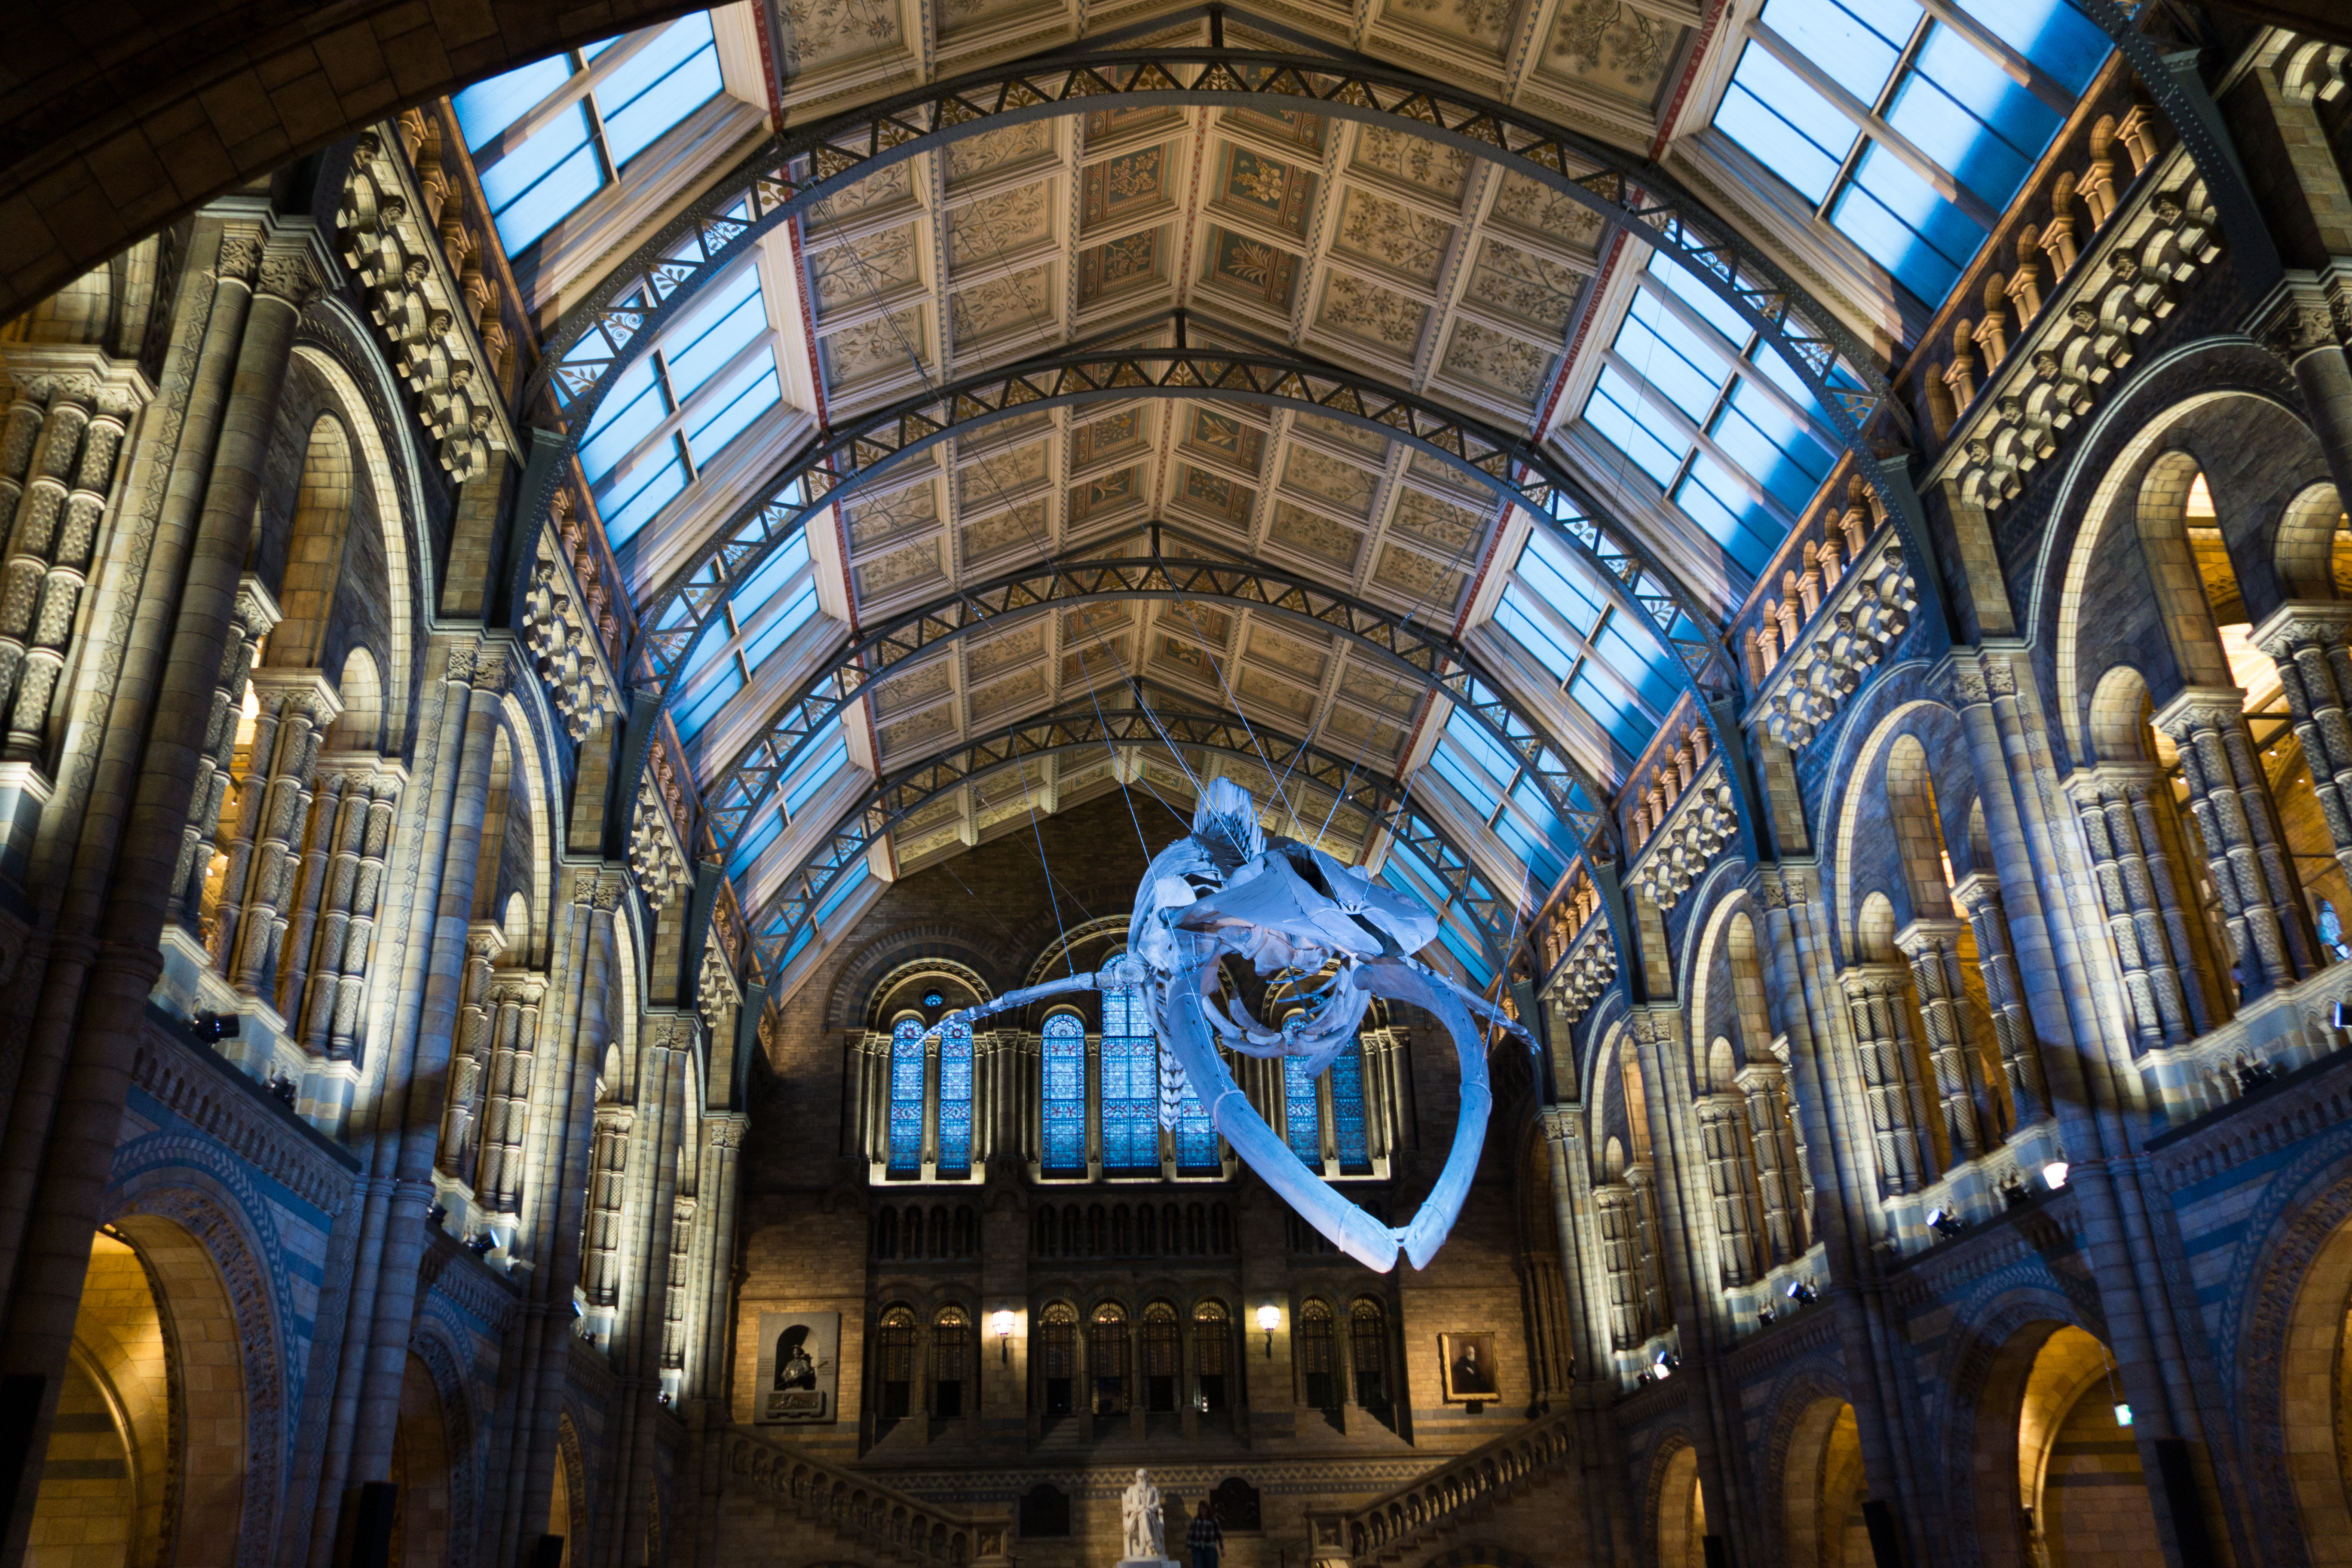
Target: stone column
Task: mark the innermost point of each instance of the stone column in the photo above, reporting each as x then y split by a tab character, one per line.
1764	1090
470	1061
507	1098
1657	1307
608	1171
2305	640
1723	1139
277	802
2308	332
68	476
1933	946
2150	930
1978	896
66	1120
1621	1247
1898	1103
2245	851
320	835
255	614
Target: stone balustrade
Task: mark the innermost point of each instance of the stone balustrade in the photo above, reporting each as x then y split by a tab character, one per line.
859	1507
1803	682
1391	1526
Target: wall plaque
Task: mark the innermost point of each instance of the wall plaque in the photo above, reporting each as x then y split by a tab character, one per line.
800	1368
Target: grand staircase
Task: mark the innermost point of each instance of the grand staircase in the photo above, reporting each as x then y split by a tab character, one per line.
1450	1498
890	1527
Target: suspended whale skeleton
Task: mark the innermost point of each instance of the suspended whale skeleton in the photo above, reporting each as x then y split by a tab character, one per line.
1228	888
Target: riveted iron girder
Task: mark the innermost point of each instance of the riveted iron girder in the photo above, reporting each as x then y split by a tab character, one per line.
785	922
685	609
735	795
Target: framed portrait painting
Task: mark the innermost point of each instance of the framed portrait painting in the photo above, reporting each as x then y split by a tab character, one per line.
1470	1371
800	1368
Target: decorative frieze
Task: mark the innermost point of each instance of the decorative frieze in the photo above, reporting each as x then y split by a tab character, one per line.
443	325
1826	659
1701	823
1586	976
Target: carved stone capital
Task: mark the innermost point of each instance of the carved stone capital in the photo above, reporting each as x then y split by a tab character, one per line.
491	669
461	664
608	893
2300	325
1964	685
1928	933
240	259
583	887
290	276
2196	708
2108	780
2301	623
725	1132
1976	892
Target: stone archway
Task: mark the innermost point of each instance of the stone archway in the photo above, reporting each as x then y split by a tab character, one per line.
2057	1479
1822	1489
1678	1511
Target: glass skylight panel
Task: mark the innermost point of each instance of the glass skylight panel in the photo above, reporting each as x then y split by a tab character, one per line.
1671	357
748	848
658	86
713	332
1545	865
857	871
770	580
1621	411
773	636
637	403
703	704
815	775
1615	711
1911	80
544	182
748	393
630	505
487	108
1756	431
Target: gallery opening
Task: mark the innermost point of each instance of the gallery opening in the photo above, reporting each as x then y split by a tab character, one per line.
1131	784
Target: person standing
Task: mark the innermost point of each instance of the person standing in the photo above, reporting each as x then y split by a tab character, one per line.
1206	1538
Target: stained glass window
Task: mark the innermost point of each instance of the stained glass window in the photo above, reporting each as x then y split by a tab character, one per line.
1302	1122
907	1099
1348	1111
955	1100
1065	1095
1130	1093
1196	1137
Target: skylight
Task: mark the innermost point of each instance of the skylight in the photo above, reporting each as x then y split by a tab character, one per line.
1723	425
668	415
1561	618
1494	786
548	136
1907	128
777	600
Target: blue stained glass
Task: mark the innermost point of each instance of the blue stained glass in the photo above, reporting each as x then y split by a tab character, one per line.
1196	1136
955	1100
1065	1096
1302	1125
1348	1110
907	1099
1130	1093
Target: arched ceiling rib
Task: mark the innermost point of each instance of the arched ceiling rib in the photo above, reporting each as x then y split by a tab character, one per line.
736	791
1163	725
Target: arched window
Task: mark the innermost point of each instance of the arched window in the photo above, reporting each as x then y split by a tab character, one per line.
1347	1082
1196	1136
1057	1357
907	1098
1213	1348
1318	1358
1065	1097
1130	1087
1107	1354
1162	1351
1302	1116
955	1099
1368	1355
2331	933
950	1361
894	1362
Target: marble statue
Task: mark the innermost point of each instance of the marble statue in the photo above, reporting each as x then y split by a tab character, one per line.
1144	1533
1229	888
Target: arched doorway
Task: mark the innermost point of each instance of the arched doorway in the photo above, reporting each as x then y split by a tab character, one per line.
1681	1524
420	1468
2058	1475
1821	1491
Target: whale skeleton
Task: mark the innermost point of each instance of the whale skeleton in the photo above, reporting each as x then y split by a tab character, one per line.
1229	890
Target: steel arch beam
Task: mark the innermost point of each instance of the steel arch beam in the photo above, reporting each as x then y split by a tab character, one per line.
681	612
788	915
1438	662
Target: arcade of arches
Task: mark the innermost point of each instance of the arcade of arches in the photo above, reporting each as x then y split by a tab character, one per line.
556	645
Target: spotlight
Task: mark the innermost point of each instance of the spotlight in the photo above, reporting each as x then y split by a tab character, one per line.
1944	1222
2123	1413
436	1214
1646	1377
1665	1364
2012	1190
2054	1174
213	1027
1802	1292
483	1242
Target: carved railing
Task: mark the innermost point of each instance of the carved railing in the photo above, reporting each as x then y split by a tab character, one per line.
890	1521
1567	916
1589	971
1449	1495
1689	836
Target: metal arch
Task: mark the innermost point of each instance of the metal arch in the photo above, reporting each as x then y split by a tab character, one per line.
679	613
777	932
791	170
1437	661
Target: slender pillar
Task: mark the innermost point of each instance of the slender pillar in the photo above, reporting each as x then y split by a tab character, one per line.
1978	896
2245	851
1934	949
1723	1137
2305	640
1898	1104
1764	1089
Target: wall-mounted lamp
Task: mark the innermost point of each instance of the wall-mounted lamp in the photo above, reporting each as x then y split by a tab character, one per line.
2055	1174
1269	1318
2123	1413
1003	1324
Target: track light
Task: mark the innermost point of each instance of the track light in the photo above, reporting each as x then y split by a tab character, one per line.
1802	1292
